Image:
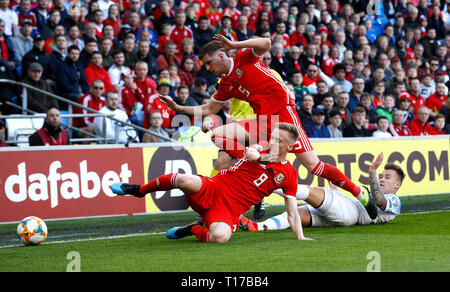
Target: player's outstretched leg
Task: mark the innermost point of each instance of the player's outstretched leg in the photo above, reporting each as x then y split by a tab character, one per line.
186	182
180	232
371	206
247	224
310	160
126	189
229	138
278	222
218	232
231	146
222	162
163	183
336	176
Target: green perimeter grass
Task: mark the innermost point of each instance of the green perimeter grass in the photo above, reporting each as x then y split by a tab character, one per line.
412	242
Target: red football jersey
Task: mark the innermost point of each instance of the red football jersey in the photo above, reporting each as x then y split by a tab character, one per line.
234	14
88	101
436	102
418	129
401	130
148	86
161	42
247	183
286	39
250	80
30	16
129	96
152	103
214	16
416	101
328	64
178	34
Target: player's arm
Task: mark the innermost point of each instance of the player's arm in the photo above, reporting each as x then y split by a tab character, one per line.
375	188
259	45
294	218
252	154
255	153
255	156
210	108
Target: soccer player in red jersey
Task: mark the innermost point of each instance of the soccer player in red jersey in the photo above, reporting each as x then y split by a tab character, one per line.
245	77
220	200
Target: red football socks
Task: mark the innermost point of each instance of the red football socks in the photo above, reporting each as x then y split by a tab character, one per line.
251	225
334	175
232	147
162	183
201	232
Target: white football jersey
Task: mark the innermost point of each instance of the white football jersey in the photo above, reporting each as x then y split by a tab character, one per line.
393	207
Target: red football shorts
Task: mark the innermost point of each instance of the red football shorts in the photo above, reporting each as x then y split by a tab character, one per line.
209	202
261	127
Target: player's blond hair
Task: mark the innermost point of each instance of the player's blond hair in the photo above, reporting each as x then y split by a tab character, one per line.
290	128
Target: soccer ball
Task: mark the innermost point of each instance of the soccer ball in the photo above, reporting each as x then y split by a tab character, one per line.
32	230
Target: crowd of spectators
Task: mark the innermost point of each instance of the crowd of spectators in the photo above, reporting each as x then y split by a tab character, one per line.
357	68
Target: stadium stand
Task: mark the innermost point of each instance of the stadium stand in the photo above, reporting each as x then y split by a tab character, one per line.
397	48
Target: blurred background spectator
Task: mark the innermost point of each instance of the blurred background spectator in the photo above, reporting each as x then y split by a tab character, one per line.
334	55
51	132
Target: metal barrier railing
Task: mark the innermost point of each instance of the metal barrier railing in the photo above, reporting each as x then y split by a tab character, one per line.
70	127
71	115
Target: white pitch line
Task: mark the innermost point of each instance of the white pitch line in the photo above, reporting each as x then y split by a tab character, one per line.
151	233
90	239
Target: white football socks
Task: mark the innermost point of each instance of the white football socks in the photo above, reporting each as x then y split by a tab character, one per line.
278	222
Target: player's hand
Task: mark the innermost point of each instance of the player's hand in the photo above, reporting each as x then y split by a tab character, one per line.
170	103
222	40
268	158
377	162
333	186
252	154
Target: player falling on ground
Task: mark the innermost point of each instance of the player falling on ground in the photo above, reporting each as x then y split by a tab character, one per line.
240	110
221	199
245	77
328	207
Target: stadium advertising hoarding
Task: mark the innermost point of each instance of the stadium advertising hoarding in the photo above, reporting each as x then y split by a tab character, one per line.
425	162
163	160
67	183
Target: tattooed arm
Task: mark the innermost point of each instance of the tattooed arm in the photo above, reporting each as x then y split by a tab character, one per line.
375	188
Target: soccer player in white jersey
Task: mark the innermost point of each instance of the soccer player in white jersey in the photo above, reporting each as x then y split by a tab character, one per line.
328	207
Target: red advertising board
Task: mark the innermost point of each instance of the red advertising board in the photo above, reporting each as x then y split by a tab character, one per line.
67	183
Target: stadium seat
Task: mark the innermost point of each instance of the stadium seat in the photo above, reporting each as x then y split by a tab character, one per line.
22	137
38	120
19	128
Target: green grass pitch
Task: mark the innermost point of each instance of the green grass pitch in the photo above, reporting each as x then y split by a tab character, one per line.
414	241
